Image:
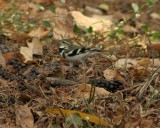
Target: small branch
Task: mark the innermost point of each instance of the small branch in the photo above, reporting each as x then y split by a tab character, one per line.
148	82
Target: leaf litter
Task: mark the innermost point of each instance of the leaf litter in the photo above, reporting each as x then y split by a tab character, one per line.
28	90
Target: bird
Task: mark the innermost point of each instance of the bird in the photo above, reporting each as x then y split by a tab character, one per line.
72	52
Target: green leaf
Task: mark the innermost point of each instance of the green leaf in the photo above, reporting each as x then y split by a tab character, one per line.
76	28
112	36
46	24
2	17
151	2
135	7
145	27
52	9
121	32
90	30
17	20
155	35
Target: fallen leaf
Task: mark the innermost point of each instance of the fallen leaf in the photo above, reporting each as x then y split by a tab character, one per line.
155	16
96	23
2	60
24	117
27	53
120	78
41	32
140	72
146	123
3	2
126	63
83	90
63	29
153	49
132	124
34	48
109	74
84	116
144	62
18	36
10	55
37	47
118	119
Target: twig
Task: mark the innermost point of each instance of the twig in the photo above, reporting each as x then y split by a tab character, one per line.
148	82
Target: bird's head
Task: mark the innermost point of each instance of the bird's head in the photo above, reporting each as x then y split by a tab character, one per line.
64	44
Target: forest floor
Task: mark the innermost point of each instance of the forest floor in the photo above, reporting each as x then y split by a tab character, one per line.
117	89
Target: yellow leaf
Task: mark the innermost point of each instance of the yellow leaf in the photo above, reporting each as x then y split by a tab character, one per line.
84	116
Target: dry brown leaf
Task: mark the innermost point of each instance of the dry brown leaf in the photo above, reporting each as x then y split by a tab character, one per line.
120	78
29	7
127	63
37	47
18	36
34	48
24	117
95	22
27	53
146	123
2	60
83	90
117	119
144	62
62	29
153	49
128	28
10	55
41	32
110	74
62	11
155	16
139	72
132	124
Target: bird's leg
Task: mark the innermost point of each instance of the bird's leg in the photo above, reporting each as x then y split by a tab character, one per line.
70	64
